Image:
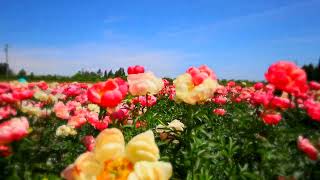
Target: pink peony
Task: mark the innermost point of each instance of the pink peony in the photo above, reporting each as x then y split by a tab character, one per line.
13	130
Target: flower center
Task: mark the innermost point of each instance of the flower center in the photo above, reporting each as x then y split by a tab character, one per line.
117	169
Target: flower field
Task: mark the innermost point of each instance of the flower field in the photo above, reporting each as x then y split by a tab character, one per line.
146	127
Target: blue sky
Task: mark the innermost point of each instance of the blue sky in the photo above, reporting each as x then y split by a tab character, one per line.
238	39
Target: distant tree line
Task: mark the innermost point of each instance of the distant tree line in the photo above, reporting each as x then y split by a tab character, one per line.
313	74
84	76
313	71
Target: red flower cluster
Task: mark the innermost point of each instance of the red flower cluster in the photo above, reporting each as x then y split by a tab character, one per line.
305	145
313	109
13	130
89	142
271	118
200	74
145	102
109	93
219	111
135	69
288	77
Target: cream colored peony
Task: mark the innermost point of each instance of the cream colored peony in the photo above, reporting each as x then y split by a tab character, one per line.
143	83
66	130
112	159
94	108
189	93
177	125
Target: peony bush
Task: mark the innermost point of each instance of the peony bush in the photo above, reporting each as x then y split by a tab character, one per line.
194	127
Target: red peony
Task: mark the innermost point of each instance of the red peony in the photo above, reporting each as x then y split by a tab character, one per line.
313	109
288	77
271	118
219	111
314	85
200	74
5	151
22	93
109	93
221	100
305	146
258	85
279	102
93	119
135	69
89	142
13	130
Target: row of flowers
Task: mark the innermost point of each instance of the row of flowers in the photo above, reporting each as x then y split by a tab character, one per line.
122	101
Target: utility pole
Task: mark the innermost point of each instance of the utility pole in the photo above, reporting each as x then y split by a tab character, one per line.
6	49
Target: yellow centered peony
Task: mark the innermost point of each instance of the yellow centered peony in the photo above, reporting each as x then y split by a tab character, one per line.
190	93
112	160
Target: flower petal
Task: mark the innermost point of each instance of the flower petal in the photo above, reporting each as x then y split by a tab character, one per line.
86	167
109	145
151	171
142	148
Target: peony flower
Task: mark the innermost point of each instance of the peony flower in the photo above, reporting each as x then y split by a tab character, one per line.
22	93
192	88
13	130
152	100
77	121
93	119
280	102
231	84
305	146
221	100
65	130
176	124
112	159
144	83
314	85
7	111
61	110
109	93
261	98
258	85
219	111
4	87
120	113
94	108
135	69
5	151
200	74
313	109
89	142
73	89
8	98
288	77
34	110
271	118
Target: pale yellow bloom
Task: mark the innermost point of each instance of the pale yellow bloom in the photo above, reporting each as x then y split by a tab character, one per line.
177	125
112	159
44	97
94	108
34	110
187	92
143	83
65	130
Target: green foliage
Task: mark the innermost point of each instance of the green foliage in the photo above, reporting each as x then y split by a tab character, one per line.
235	146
